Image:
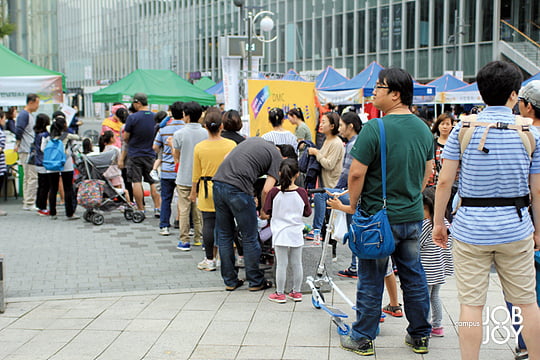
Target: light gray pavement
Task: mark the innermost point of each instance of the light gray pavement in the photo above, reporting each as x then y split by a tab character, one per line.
121	291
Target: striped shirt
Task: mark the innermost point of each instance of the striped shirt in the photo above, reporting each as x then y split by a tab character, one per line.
437	262
3	167
347	161
281	138
167	160
503	172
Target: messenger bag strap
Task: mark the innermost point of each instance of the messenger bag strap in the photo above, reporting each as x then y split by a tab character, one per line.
383	159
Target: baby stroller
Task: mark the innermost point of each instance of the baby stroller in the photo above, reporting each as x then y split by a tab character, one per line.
96	193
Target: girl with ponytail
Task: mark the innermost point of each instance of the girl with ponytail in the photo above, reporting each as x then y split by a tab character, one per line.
286	206
207	156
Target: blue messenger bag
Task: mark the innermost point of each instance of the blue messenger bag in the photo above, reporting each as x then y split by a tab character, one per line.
370	236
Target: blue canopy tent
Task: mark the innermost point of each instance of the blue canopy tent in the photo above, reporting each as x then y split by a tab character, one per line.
329	77
447	82
535	77
361	86
293	76
217	91
354	90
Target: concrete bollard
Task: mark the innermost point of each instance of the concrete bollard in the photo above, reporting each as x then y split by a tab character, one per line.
2	289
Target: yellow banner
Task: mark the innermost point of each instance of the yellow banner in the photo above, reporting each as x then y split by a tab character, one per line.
264	95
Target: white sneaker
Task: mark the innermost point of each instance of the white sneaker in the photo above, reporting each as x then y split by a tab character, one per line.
207	265
154	175
164	231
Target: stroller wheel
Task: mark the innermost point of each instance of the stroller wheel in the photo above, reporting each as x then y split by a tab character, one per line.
128	214
138	217
87	216
98	219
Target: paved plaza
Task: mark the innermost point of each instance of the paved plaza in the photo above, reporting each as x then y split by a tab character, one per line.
120	291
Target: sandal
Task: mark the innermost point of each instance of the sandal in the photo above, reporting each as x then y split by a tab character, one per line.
395	311
309	236
266	284
239	283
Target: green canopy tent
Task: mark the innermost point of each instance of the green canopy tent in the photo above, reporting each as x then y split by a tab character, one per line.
205	83
161	86
19	77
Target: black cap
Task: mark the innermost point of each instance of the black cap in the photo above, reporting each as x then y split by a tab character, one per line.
140	98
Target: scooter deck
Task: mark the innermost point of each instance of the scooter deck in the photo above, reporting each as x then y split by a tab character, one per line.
334	311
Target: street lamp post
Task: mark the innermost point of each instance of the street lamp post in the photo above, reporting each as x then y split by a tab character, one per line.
266	25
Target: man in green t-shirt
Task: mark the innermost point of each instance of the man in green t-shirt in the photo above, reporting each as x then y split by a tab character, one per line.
409	148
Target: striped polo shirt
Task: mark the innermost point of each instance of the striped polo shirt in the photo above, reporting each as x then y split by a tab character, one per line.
167	160
3	167
502	172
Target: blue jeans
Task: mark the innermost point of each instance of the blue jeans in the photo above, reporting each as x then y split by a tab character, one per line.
370	286
233	204
167	193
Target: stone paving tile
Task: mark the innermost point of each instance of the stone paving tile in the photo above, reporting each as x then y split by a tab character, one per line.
130	345
309	352
88	344
256	352
205	352
224	333
170	345
44	345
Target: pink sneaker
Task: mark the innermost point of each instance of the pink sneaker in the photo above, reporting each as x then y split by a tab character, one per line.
277	297
437	331
295	296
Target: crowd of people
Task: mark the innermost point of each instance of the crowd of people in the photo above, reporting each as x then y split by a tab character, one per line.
440	181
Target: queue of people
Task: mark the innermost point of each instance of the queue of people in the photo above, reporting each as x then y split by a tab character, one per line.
225	184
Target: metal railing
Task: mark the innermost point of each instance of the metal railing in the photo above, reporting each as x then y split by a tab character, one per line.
520	41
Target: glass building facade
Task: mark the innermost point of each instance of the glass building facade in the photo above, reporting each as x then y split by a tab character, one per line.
98	42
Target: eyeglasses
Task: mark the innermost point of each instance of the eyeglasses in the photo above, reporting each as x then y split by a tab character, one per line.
381	87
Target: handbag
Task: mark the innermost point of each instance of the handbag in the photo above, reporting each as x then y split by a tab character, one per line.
370	236
340	225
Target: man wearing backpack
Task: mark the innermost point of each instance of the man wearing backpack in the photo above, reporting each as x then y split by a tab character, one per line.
492	225
139	135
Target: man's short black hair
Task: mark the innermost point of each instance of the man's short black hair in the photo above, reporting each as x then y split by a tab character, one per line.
398	80
497	80
31	98
177	110
193	110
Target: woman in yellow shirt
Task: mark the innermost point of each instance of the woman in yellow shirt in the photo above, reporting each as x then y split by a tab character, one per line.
208	156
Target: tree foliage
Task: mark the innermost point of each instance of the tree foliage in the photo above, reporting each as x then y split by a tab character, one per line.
6	29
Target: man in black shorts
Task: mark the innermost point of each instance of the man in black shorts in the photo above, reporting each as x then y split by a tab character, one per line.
139	135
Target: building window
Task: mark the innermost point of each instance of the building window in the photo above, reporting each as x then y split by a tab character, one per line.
396	27
487	20
411	7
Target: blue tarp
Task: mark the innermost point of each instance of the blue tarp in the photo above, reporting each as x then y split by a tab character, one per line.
366	80
328	78
216	89
447	82
467	88
293	76
535	77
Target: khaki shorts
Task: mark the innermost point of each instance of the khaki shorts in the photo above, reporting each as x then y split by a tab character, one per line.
513	261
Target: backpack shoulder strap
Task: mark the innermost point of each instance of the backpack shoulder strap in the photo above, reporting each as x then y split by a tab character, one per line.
522	126
526	136
466	132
